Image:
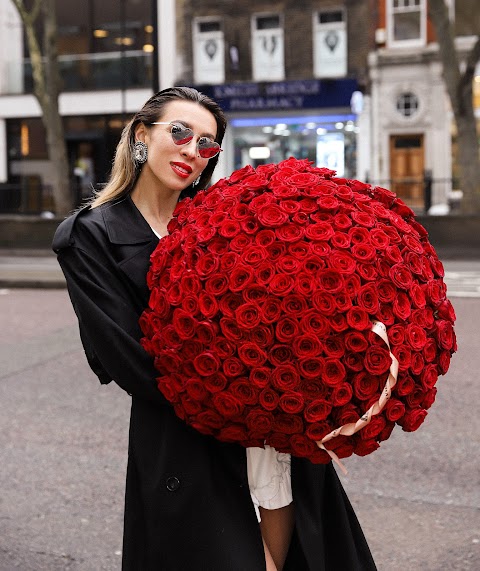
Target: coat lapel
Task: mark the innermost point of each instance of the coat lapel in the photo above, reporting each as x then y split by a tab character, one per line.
132	242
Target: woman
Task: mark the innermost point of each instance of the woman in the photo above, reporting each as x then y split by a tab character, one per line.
188	496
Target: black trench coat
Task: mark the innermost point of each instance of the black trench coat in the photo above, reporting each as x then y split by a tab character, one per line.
187	504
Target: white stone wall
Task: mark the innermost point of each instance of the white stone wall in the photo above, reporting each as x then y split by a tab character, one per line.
11	49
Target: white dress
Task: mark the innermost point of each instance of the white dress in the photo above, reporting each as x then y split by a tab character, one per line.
269	478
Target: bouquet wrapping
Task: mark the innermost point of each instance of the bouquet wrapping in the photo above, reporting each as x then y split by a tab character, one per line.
294	308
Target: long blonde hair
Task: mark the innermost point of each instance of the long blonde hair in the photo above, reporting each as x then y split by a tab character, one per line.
125	170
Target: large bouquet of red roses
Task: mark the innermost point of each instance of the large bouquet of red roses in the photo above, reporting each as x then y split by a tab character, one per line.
297	309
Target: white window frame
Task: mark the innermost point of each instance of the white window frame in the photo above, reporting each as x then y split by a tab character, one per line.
417	42
315	24
253	29
205	20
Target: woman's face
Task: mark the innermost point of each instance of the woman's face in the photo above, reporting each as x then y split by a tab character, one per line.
169	166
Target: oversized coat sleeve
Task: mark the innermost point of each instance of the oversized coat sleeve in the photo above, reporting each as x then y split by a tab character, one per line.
108	323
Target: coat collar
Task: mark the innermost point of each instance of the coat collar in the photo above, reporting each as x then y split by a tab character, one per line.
125	223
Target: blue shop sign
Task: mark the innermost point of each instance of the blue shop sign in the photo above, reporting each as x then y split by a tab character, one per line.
282	95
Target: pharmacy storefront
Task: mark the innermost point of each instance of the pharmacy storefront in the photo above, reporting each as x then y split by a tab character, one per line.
269	122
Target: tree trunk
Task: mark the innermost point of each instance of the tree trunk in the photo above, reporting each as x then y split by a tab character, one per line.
57	149
459	89
46	89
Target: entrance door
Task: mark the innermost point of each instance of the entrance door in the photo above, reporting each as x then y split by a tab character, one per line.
407	163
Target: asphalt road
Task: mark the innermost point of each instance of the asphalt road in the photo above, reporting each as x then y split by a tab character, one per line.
63	443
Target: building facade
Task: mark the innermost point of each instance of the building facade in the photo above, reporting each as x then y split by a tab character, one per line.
109	63
290	76
412	131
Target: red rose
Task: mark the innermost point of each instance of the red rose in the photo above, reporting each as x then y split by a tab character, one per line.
342	262
368	299
240	277
227	405
280	355
364	252
248	315
366	271
415	336
396	334
215	383
363	219
302	446
353	361
314	323
233	367
286	329
417	363
228	261
414	263
223	348
413	419
268	399
429	376
334	346
254	255
341	394
357	318
401	276
281	284
405	385
168	390
355	341
206	363
324	302
216	285
264	273
183	323
340	240
393	255
255	294
211	419
288	424
394	409
208	305
317	410
401	306
373	428
379	239
365	447
430	350
259	422
289	206
288	264
195	388
418	296
244	392
261	335
290	232
334	372
292	402
260	376
251	355
319	231
444	362
265	238
338	322
330	280
271	215
429	398
365	386
346	415
445	311
233	433
231	330
404	355
307	346
285	377
311	367
445	334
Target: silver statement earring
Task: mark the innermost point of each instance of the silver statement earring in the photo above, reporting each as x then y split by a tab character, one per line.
196	181
140	152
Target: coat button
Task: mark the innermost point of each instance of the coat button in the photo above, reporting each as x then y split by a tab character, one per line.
173	483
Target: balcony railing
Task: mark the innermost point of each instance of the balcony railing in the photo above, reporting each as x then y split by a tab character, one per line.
109	70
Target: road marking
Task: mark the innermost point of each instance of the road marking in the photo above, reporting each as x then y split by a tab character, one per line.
462	284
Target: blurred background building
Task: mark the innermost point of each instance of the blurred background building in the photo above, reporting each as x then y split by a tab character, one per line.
354	85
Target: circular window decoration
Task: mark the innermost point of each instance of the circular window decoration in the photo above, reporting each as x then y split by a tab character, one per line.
407	104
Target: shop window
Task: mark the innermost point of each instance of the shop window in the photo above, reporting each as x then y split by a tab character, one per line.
208	51
406	21
330	43
267	48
